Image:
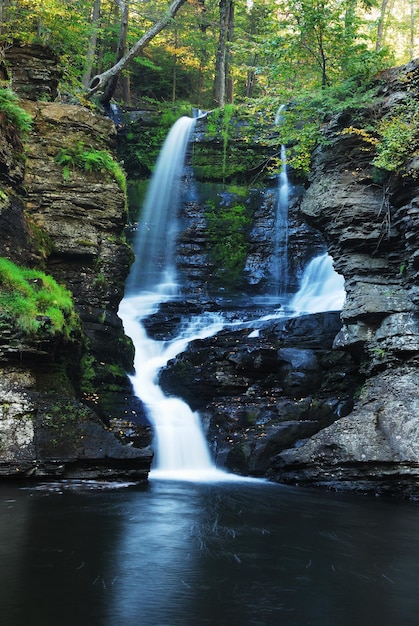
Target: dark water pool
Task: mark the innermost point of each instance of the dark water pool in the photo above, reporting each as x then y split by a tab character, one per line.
230	554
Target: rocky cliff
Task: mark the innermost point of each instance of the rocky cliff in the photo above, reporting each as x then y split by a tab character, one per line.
372	231
66	404
326	399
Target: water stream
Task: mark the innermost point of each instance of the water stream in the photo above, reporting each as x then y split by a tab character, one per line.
180	445
281	222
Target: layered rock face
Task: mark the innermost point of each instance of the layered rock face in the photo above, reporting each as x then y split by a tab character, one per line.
66	405
372	233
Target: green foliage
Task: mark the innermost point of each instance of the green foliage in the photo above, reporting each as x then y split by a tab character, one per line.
393	141
13	113
35	303
398	138
227	237
299	127
88	159
397	141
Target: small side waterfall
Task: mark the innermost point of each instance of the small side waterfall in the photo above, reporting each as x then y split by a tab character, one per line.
322	288
280	268
281	227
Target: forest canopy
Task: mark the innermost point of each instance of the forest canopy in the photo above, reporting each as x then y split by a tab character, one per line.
215	51
316	55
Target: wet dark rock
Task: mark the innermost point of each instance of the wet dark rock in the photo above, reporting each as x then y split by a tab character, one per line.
261	394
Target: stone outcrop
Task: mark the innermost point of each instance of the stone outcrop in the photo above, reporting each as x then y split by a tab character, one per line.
66	405
33	71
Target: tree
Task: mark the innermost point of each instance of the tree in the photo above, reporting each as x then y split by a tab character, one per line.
91	50
222	84
120	50
381	22
101	80
412	30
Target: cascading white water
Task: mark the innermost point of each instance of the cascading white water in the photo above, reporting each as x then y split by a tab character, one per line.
322	288
154	244
180	445
281	221
181	449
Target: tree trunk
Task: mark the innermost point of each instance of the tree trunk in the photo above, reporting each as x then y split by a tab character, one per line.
222	60
412	30
4	14
380	25
174	71
126	89
91	50
120	52
100	80
230	36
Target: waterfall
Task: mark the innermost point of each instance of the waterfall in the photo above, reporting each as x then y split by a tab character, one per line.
180	445
156	235
281	222
181	450
322	288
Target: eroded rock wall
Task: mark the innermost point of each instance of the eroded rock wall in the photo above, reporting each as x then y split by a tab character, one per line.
371	227
66	407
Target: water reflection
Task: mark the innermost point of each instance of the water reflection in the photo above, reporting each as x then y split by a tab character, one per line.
220	554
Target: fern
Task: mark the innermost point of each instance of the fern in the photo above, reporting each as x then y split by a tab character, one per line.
90	160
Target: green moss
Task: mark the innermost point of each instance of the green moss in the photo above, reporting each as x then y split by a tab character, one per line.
227	229
35	303
87	374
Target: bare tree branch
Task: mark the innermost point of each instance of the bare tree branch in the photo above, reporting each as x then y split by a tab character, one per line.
100	80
